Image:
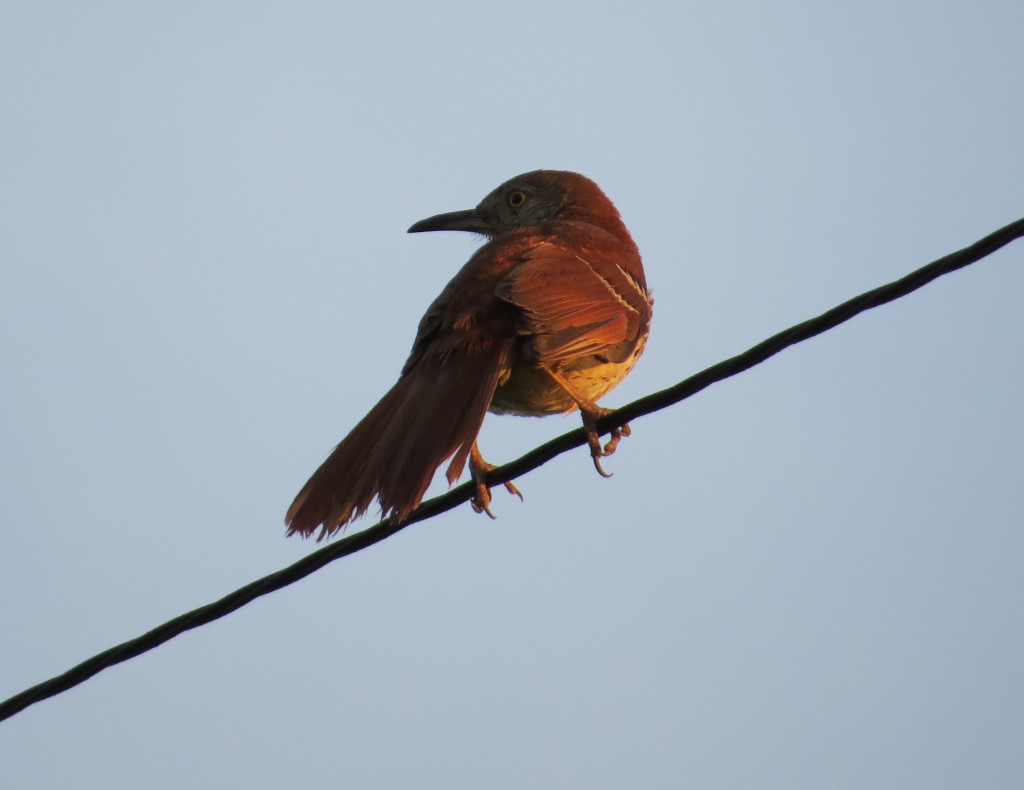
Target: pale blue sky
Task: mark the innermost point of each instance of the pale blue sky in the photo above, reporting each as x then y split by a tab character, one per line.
807	576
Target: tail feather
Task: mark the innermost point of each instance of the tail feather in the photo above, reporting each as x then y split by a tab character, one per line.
432	412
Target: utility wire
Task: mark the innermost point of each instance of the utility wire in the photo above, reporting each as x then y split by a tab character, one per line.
533	459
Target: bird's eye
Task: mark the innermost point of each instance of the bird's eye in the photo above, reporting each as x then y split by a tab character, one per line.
516	199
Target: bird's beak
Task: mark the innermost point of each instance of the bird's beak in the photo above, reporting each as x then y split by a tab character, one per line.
469	220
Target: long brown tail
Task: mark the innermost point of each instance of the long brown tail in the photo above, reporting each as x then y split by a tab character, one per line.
433	411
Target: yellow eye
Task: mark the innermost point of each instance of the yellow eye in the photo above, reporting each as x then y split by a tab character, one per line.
516	199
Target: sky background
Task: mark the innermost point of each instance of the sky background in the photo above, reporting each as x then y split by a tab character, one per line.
806	576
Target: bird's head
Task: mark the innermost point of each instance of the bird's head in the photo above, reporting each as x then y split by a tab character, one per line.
529	200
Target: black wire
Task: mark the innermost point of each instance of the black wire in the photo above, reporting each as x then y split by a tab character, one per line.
535	458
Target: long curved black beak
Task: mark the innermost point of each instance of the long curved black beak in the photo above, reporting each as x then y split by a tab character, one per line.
469	220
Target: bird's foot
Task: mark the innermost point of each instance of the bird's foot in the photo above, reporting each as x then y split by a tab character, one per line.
592	413
597	452
478	469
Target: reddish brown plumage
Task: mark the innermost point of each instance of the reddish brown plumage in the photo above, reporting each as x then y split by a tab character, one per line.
548	316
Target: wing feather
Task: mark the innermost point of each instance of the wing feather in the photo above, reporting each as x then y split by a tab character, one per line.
574	304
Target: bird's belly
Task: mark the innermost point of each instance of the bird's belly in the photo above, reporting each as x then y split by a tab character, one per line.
525	389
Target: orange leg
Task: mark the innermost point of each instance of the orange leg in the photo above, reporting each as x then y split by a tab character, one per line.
591	414
478	469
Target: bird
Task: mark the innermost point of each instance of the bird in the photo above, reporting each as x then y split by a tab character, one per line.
548	316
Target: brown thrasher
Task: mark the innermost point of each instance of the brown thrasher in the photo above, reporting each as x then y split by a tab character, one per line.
549	315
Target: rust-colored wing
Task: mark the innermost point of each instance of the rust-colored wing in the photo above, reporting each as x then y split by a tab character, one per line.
577	303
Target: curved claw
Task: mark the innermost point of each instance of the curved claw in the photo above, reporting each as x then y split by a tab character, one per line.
597	466
596	451
478	469
513	490
481	503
